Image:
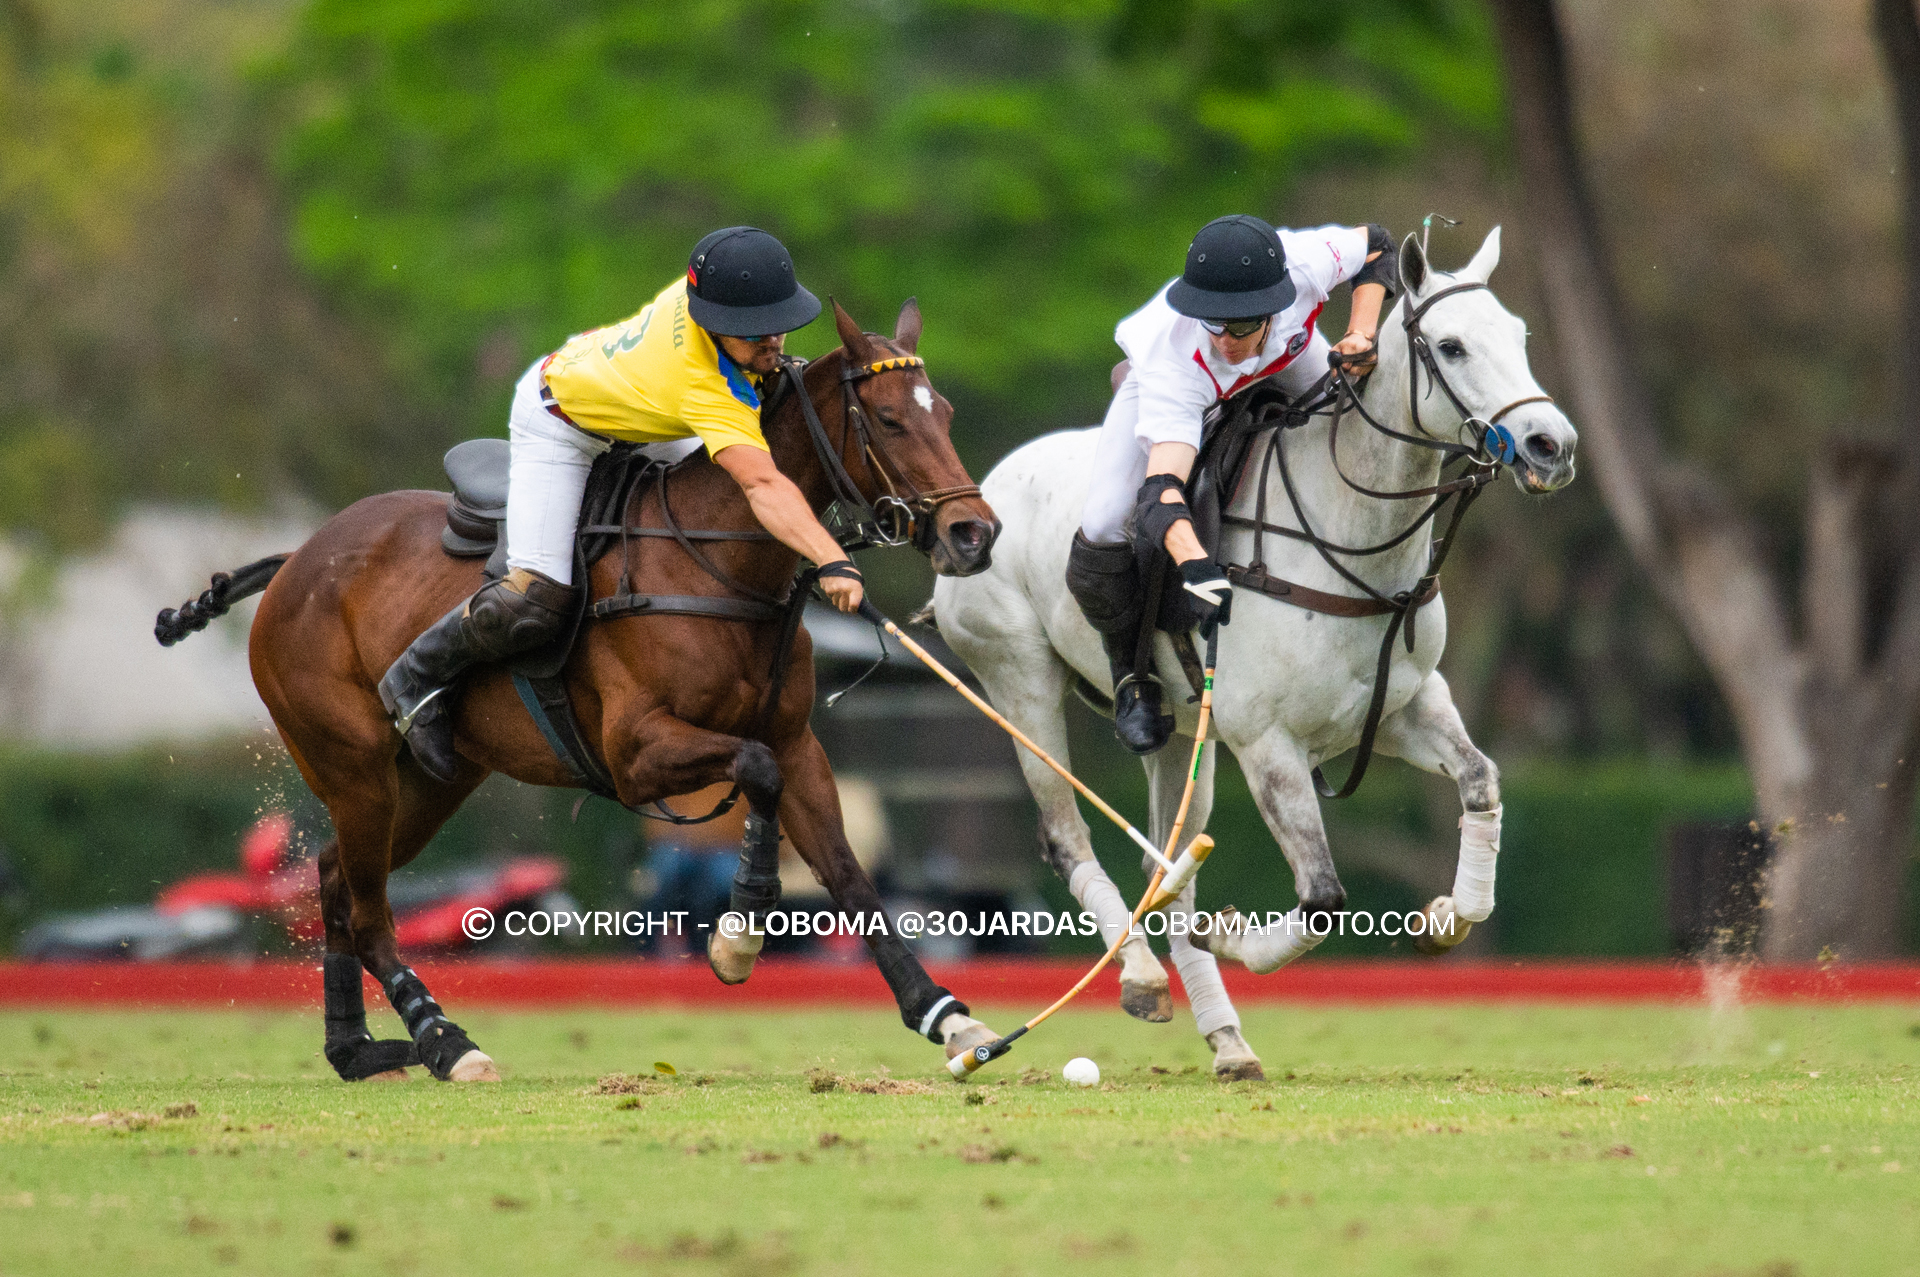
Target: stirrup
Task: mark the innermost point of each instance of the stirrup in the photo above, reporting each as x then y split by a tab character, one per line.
1162	723
403	722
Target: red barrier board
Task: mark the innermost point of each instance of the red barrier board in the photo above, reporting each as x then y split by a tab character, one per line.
634	982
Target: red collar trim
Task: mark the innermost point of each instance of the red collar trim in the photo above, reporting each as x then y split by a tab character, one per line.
1269	370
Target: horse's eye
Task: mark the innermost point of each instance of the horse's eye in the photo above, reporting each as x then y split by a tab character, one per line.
1452	349
888	420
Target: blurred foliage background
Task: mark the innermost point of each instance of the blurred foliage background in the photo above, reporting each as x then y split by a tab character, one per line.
252	249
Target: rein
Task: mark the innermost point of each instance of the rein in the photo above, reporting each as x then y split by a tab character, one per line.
1333	396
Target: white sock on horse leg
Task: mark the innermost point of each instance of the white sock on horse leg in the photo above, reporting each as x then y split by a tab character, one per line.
1098	896
1268	947
1200	977
1473	880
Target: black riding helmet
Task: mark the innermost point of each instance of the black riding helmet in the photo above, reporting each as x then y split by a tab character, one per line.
1236	269
740	283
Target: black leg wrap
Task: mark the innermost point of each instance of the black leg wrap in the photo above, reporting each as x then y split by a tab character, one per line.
925	1016
439	1041
756	884
351	1050
441	1047
923	1004
364	1057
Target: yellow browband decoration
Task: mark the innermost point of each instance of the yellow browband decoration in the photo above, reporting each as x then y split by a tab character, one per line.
888	365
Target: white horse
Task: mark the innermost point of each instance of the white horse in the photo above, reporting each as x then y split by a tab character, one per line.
1293	685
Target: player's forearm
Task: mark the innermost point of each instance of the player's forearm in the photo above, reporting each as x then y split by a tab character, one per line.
783	511
1176	459
1365	316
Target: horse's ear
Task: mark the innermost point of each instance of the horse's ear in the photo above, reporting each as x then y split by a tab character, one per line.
906	329
1481	267
854	341
1413	265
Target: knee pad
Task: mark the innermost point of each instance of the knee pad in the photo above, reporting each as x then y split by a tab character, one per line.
1105	581
518	613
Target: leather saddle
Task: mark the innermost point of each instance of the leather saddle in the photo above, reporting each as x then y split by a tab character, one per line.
476	527
478	471
1226	446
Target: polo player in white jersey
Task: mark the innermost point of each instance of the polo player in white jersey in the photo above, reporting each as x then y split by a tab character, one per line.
1244	309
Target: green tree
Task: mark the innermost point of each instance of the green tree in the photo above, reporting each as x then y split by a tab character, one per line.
155	340
479	179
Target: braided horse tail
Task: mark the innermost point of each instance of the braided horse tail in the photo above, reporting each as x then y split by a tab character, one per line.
227	588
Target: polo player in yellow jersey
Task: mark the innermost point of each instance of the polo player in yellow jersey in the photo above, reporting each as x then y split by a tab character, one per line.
688	367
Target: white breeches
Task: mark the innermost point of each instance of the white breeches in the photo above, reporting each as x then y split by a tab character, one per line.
548	478
1120	457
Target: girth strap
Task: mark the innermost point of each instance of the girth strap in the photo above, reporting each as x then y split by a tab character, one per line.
551	706
723	609
691	534
1318	600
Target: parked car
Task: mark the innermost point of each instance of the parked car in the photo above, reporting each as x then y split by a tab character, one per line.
273	902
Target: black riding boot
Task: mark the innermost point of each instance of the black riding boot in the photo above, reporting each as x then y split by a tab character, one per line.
1137	718
502	619
1105	581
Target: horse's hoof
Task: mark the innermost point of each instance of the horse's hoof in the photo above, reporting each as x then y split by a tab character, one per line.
391	1075
1150	1002
1233	1059
962	1033
1444	928
732	958
474	1066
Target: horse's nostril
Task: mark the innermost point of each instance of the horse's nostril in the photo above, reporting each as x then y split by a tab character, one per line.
1543	447
969	534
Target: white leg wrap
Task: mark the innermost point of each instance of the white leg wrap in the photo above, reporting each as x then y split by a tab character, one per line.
1473	880
1268	947
1200	977
1097	894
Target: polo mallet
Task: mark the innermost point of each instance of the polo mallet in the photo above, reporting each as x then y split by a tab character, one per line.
1140	840
1155	896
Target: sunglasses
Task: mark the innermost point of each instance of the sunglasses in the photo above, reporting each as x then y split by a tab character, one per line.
1236	328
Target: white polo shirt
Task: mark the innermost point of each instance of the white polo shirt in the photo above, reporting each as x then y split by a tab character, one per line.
1174	365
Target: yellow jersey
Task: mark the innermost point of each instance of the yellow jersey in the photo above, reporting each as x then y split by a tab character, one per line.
656	377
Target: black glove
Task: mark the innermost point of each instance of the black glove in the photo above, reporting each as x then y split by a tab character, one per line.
1207	593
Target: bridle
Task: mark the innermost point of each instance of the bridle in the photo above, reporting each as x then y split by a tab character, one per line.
1491	439
903	514
1336	394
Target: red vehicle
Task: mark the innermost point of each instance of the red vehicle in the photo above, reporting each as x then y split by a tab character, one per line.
208	913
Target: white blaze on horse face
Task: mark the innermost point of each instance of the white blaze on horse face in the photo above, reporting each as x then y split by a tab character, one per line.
924	397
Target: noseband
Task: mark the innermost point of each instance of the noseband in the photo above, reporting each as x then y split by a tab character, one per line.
903	514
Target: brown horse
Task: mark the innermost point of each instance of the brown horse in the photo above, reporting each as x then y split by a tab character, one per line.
671	703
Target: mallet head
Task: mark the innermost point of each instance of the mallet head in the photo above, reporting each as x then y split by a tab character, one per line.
1183	871
967	1063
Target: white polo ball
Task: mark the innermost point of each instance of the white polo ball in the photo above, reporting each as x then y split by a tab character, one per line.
1081	1072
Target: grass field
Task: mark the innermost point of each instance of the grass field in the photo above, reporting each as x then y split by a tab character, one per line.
1443	1139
